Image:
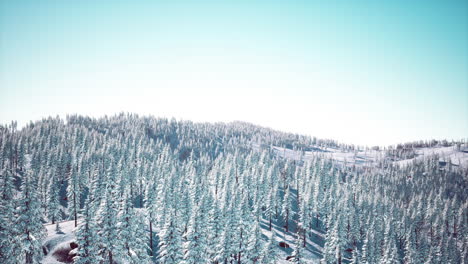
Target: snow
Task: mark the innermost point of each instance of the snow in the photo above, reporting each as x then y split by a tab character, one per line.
369	157
456	157
361	157
310	256
58	240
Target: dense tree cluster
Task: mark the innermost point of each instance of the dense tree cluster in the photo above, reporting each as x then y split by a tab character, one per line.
147	190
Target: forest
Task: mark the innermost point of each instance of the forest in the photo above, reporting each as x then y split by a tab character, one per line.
141	189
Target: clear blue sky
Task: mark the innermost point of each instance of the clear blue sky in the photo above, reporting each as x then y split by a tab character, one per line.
364	72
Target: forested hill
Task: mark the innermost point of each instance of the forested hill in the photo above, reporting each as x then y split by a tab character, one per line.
148	190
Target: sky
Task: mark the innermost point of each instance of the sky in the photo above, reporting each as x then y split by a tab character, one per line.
357	71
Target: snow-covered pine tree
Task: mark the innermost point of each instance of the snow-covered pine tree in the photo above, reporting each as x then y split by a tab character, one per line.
195	249
298	253
132	246
53	211
270	250
73	194
107	217
286	208
29	221
87	235
170	245
9	246
255	243
151	208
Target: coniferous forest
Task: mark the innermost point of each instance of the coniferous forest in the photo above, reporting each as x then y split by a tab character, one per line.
132	189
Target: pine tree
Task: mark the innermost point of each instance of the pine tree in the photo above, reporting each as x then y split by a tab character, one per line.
151	207
196	251
87	236
355	257
107	218
132	245
215	230
411	251
31	231
269	251
285	208
170	244
270	206
73	194
54	212
391	252
255	243
299	249
9	247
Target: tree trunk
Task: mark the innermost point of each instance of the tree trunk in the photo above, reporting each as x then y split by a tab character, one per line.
304	237
151	237
74	205
240	248
454	226
29	258
29	255
431	231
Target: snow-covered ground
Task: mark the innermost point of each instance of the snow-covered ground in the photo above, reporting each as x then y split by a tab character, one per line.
349	157
58	241
456	157
369	157
313	248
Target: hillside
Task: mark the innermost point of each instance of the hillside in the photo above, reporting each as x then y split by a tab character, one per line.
149	190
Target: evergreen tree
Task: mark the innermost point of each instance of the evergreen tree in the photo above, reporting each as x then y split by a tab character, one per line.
269	251
30	229
73	195
170	243
54	212
132	242
87	236
9	239
196	251
285	208
107	218
255	243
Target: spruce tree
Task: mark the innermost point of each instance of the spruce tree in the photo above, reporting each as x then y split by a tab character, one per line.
31	232
170	245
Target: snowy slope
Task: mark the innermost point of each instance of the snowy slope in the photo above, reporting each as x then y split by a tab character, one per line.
369	157
312	254
456	157
58	242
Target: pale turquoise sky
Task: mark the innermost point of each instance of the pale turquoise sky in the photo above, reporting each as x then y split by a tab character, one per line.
364	72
